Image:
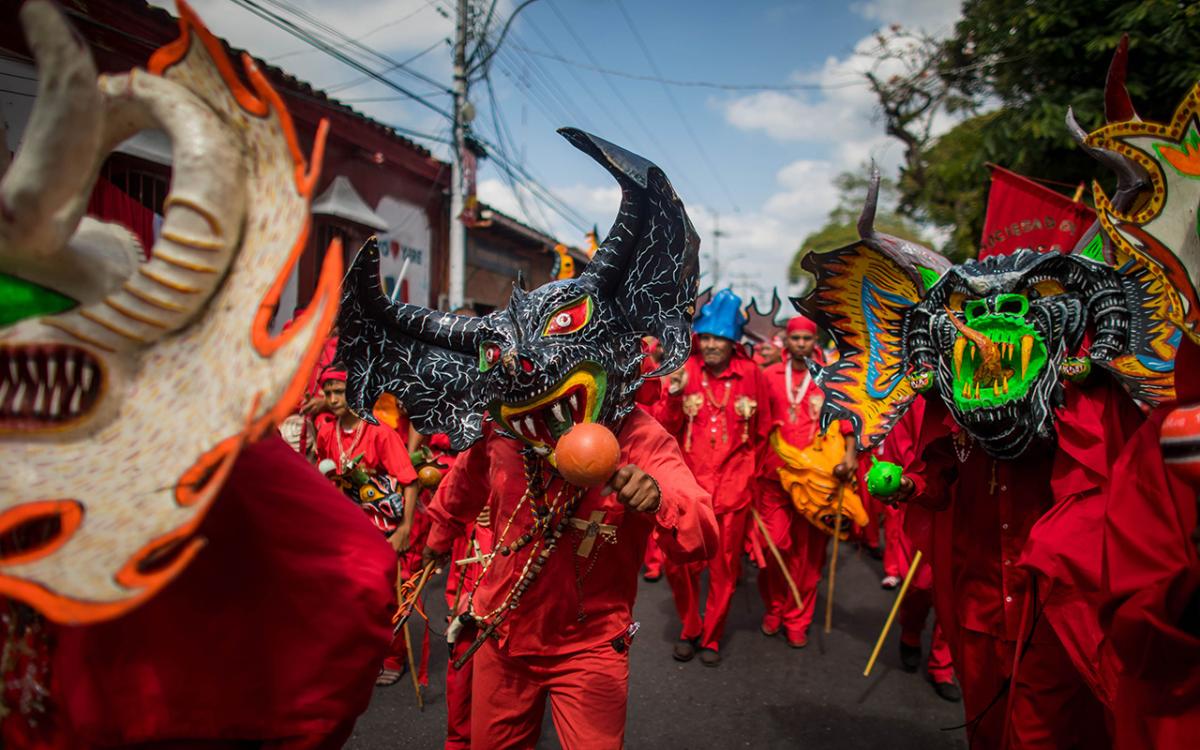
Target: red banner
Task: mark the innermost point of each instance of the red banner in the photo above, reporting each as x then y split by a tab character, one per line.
1022	213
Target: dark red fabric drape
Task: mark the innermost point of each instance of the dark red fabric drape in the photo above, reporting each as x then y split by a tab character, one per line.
109	203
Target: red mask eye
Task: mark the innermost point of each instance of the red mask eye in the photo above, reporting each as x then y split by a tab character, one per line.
489	355
569	318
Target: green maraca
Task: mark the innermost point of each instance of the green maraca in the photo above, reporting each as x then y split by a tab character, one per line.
883	480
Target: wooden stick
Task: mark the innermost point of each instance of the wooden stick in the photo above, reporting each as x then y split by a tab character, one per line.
837	536
403	620
912	568
412	667
762	527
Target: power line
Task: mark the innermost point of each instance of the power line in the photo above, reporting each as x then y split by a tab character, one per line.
376	30
282	23
678	110
694	84
344	85
680	176
346	41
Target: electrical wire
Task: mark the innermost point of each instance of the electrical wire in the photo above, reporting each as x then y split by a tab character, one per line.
680	176
282	23
376	30
558	57
675	104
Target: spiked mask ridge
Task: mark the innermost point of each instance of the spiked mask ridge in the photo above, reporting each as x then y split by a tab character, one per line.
566	352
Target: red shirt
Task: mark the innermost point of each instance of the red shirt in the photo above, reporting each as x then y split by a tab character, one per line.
725	449
797	422
547	620
381	448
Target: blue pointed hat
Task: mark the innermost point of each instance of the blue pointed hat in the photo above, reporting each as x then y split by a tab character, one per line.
722	316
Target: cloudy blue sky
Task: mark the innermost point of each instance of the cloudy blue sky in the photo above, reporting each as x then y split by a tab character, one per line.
763	160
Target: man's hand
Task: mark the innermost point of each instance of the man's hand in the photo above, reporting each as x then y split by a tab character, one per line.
636	489
677	380
846	470
902	495
439	559
312	405
399	538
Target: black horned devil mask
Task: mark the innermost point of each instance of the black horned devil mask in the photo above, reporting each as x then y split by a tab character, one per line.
995	338
566	352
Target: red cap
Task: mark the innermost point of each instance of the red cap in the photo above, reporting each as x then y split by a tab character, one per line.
801	323
332	374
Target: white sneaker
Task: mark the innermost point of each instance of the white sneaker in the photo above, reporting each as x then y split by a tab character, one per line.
890	582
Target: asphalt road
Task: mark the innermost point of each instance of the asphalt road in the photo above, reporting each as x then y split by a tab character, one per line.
764	694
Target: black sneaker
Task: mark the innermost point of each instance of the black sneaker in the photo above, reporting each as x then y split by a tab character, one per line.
948	691
910	657
684	650
710	658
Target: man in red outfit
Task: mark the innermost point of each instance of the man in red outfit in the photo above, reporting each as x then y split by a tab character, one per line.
718	409
903	541
557	371
795	404
569	639
997	521
345	438
1151	584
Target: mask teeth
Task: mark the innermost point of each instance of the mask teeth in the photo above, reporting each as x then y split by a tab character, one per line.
960	346
977	391
1026	353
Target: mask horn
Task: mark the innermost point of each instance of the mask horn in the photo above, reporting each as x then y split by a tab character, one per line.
1131	178
363	289
1118	106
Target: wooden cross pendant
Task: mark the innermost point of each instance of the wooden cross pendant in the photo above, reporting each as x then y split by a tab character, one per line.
591	529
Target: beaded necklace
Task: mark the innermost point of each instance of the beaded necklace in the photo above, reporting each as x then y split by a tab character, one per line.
718	409
343	450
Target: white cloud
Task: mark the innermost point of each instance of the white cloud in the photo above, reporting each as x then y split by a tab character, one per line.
933	16
841	120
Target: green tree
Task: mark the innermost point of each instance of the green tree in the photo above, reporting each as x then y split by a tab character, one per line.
1034	60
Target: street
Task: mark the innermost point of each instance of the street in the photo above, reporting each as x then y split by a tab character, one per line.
764	694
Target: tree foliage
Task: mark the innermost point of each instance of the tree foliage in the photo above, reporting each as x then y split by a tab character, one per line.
1026	63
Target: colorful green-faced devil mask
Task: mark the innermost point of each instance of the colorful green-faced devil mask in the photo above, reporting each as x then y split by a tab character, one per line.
566	352
992	338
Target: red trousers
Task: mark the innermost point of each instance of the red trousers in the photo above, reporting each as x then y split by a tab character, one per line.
895	552
1050	706
587	690
803	548
913	612
724	569
654	558
458	694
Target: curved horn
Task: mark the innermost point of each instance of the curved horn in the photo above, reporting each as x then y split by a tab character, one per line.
632	172
1131	178
866	220
1118	106
62	139
457	333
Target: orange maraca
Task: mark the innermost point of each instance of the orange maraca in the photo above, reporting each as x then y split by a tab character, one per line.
587	455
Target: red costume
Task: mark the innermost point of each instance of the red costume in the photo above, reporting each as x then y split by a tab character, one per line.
903	541
1000	522
274	633
568	640
384	452
722	448
803	545
1151	580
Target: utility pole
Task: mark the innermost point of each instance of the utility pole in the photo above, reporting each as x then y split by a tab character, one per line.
716	252
458	230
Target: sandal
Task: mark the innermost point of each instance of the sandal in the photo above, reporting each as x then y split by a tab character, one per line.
388	677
